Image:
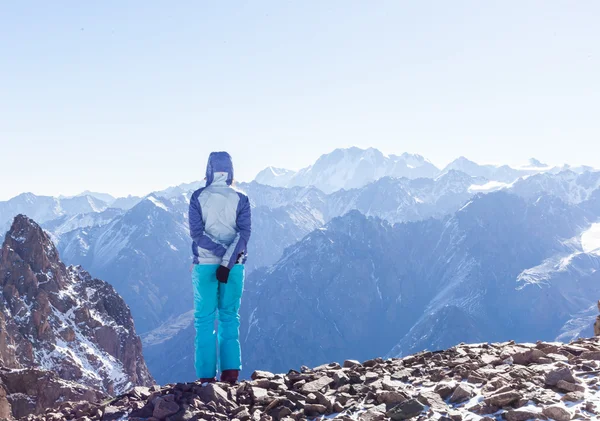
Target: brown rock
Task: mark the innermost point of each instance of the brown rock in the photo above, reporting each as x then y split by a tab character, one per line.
340	378
563	373
406	410
214	393
573	397
462	393
262	375
164	408
523	414
314	409
557	412
390	398
433	400
377	413
402	375
530	356
569	387
317	385
445	389
503	399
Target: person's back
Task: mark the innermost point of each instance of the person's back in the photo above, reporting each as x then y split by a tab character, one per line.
220	226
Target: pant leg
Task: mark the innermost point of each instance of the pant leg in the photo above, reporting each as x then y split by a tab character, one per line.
205	311
230	295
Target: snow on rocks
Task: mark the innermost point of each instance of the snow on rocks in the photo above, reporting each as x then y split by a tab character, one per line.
464	383
59	320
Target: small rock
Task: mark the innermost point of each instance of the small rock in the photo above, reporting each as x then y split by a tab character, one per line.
433	400
563	373
591	355
503	399
214	393
262	375
405	410
569	387
573	397
523	414
340	378
351	364
445	389
372	363
376	413
140	392
390	398
528	357
164	408
401	375
317	385
371	377
112	413
557	412
314	409
462	393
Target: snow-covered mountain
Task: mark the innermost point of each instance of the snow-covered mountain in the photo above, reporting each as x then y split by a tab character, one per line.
350	168
354	168
276	177
46	208
60	319
569	186
501	173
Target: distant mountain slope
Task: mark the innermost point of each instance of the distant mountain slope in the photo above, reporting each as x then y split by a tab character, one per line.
569	186
60	319
46	208
144	253
276	177
350	168
364	286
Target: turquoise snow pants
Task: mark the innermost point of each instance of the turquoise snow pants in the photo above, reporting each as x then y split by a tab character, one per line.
213	299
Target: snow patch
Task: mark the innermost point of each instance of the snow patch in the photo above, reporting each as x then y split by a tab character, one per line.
488	187
158	203
590	239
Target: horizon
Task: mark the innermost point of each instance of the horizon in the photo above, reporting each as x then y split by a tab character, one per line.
387	155
131	98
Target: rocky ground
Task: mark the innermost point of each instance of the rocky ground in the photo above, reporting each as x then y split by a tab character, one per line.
468	382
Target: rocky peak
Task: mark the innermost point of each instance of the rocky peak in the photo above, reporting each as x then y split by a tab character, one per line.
60	319
32	246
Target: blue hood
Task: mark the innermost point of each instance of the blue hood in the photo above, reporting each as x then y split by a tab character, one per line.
219	162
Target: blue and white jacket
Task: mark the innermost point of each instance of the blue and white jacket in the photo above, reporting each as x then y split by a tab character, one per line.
219	216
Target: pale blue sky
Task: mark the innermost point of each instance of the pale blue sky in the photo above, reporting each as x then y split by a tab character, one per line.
129	97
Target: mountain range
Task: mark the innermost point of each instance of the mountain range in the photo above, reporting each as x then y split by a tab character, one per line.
380	255
354	168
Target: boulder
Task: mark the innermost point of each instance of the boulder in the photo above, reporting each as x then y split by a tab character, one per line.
405	410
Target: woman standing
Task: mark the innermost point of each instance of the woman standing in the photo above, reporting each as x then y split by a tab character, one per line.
220	226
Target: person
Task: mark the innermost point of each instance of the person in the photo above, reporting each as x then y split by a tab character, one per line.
220	226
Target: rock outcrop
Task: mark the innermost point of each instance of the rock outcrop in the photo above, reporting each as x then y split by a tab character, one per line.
61	326
468	382
32	391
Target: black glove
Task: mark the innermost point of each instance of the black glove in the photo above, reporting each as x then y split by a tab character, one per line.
223	274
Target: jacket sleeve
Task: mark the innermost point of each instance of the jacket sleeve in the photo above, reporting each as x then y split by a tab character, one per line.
244	226
200	237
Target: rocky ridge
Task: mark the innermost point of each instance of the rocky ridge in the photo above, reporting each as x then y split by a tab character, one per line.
63	334
510	381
